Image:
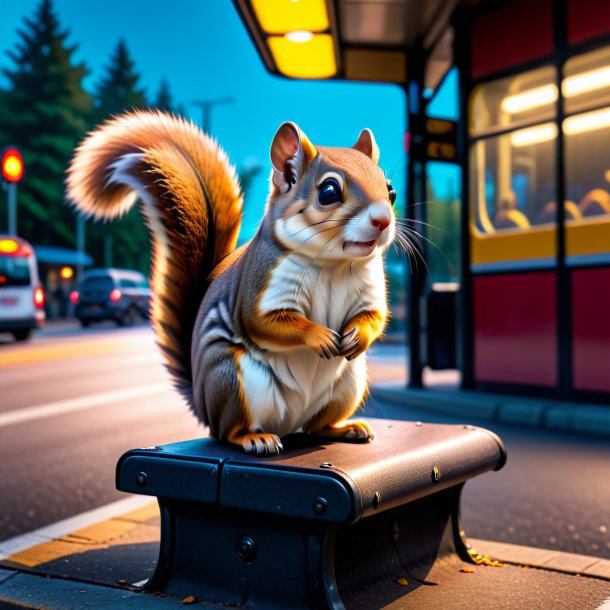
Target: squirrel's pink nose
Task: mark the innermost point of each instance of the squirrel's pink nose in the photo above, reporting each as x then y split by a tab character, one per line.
381	224
380	215
380	221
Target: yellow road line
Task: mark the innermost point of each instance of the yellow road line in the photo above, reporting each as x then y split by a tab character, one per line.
44	353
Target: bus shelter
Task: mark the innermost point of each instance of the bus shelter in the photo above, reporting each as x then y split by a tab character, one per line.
530	311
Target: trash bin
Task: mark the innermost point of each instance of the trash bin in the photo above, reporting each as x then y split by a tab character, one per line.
441	325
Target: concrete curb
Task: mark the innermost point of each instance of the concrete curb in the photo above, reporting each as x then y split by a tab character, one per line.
548	559
539	413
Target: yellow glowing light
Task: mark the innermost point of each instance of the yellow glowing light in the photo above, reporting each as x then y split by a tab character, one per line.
590	121
8	246
586	81
532	98
534	135
283	16
66	273
312	59
299	36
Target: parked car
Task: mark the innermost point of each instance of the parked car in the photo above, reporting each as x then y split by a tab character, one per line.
21	295
111	294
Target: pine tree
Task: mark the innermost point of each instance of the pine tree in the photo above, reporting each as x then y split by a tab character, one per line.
43	112
164	97
117	92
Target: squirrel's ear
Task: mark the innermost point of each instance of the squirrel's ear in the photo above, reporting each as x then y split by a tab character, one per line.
366	144
290	151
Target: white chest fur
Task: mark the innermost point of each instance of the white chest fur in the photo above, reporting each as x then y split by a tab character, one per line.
286	389
328	294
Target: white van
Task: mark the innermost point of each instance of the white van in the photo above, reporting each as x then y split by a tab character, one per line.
21	295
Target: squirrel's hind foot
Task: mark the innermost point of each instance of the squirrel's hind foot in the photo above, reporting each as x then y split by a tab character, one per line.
260	443
349	429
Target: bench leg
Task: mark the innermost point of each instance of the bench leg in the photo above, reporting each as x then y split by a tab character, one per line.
252	560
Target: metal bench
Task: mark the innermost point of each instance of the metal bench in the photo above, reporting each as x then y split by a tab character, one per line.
311	526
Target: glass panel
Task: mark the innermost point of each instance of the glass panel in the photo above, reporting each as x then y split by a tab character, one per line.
443	221
444	104
587	81
514	101
587	175
14	271
513	179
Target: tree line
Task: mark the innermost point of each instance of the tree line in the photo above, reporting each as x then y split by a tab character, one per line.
45	112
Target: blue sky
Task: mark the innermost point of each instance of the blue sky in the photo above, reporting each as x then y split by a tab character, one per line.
203	50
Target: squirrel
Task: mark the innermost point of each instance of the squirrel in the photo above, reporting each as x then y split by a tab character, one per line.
269	338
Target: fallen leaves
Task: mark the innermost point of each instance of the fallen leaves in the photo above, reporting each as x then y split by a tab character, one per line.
484	560
189	599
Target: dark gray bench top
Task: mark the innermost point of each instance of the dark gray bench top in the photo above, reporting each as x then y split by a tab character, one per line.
334	482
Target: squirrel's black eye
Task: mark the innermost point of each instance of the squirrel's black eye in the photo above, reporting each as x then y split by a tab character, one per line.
391	192
330	192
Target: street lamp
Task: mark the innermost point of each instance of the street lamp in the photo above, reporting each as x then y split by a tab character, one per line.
12	172
206	110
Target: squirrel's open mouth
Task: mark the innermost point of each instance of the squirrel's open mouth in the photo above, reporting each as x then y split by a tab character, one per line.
364	245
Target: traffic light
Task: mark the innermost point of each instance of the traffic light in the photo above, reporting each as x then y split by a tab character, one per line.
12	164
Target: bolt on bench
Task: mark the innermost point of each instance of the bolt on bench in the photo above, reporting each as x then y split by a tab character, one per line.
311	526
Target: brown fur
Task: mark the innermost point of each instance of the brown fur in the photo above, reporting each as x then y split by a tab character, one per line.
199	204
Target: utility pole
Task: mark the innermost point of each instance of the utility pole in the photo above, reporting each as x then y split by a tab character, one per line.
206	110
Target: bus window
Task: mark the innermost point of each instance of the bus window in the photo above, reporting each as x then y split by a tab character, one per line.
587	167
513	179
516	101
586	82
586	88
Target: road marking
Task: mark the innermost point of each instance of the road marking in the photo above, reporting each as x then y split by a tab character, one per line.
70	348
80	403
67	526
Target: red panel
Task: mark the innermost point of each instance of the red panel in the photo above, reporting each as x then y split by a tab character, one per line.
510	35
587	19
591	329
515	320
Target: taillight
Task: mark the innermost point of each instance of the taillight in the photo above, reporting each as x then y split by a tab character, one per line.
39	297
115	295
74	297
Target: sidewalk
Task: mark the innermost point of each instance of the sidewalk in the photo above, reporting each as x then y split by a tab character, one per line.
546	413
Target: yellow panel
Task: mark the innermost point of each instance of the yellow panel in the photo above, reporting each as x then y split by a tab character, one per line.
588	236
513	245
282	16
314	58
373	65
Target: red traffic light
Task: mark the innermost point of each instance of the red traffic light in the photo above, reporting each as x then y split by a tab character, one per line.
12	165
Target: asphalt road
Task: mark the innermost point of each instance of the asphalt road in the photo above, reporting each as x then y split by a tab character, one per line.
72	401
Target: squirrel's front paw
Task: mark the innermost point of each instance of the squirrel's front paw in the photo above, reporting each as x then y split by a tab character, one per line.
323	341
352	344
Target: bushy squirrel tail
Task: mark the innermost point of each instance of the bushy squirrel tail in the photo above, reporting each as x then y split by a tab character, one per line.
192	204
